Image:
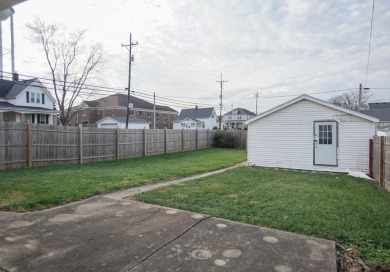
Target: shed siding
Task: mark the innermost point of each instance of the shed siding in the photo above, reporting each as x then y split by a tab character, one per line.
285	138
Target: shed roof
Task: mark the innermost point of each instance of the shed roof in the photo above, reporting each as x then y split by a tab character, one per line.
314	100
195	113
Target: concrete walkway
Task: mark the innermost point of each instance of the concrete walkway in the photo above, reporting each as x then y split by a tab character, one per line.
110	233
126	193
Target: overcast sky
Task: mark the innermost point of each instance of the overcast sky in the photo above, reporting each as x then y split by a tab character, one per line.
275	47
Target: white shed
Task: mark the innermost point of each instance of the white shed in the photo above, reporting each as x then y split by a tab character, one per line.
120	122
311	134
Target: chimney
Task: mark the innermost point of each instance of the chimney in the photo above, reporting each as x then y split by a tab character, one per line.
196	107
15	77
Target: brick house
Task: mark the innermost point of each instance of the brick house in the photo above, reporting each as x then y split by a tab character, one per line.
89	112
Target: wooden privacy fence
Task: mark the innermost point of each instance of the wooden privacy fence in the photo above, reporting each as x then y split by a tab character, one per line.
28	145
380	160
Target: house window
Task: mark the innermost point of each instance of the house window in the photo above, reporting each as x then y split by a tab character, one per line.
183	125
156	114
192	124
203	125
140	113
149	114
164	115
29	118
35	98
239	117
42	119
131	112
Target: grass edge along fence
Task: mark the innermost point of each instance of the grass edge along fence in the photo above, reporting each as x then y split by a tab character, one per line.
29	145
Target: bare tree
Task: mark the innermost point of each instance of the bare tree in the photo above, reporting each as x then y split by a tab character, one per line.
350	100
70	63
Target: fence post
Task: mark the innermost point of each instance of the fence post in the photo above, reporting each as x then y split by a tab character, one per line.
117	144
196	139
370	144
81	144
182	139
382	162
144	142
165	140
29	145
208	140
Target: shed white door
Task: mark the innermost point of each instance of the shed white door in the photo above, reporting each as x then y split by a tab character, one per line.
325	143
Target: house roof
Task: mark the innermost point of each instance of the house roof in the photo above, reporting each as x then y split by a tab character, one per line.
383	114
121	101
195	113
11	89
379	105
314	100
123	119
241	111
5	4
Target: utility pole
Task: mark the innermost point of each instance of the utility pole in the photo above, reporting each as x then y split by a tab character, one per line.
221	82
131	59
360	97
154	110
257	96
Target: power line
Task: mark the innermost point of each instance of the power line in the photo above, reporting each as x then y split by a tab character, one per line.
369	43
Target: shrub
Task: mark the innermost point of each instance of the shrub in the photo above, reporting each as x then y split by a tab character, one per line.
224	138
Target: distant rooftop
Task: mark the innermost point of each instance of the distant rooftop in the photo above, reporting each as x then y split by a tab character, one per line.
241	111
195	113
379	105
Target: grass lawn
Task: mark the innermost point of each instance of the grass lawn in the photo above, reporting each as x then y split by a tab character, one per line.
352	211
43	187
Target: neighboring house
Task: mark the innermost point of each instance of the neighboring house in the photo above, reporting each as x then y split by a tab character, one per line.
187	123
26	101
308	133
235	119
89	112
120	122
380	110
202	118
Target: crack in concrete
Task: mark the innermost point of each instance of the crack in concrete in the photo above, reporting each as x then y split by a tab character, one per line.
138	222
3	270
167	243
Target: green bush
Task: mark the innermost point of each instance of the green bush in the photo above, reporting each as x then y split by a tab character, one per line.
224	138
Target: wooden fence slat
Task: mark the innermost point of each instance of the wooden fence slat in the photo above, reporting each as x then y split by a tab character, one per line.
81	144
29	145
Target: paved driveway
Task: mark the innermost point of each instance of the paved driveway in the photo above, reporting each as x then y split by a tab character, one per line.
105	233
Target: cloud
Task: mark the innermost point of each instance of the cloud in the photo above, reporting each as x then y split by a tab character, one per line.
277	47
